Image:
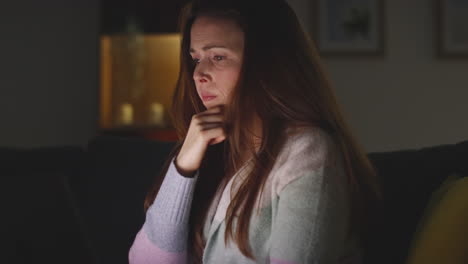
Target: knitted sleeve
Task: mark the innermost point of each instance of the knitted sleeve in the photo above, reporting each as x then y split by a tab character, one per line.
163	237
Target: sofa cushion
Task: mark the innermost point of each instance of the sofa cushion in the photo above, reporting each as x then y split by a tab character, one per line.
409	177
442	235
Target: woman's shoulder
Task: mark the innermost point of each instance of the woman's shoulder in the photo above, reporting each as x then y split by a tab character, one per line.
307	141
307	152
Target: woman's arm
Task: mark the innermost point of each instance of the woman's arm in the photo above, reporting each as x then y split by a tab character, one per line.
163	237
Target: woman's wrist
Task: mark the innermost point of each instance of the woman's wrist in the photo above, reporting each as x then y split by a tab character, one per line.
183	172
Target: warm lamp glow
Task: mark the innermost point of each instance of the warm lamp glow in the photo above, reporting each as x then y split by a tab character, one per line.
138	72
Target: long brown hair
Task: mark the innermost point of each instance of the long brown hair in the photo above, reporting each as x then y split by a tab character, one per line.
283	82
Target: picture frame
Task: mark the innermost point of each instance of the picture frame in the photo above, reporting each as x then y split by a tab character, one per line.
451	28
349	27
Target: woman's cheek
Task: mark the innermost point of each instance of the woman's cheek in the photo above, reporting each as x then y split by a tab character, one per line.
222	64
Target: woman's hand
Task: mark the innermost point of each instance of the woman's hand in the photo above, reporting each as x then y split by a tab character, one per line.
205	129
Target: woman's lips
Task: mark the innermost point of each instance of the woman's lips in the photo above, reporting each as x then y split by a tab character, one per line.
208	98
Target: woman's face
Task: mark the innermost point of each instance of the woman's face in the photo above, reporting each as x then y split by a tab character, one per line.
217	48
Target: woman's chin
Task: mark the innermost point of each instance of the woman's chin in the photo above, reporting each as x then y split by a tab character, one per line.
210	105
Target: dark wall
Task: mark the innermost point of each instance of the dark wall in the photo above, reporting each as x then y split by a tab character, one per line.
153	16
48	72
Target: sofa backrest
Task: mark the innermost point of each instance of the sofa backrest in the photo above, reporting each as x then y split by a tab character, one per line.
111	193
120	171
409	177
40	222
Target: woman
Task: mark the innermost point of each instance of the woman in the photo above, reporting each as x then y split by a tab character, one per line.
261	130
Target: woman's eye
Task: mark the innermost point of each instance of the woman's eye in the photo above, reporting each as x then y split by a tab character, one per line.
219	58
195	61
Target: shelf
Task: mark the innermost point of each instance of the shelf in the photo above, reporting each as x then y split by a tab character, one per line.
154	133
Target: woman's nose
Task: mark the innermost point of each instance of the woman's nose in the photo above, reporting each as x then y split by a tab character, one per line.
201	73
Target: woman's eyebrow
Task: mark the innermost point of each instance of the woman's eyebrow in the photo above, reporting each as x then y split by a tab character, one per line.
207	47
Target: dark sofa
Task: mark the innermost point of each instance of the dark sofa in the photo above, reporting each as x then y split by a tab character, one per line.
84	205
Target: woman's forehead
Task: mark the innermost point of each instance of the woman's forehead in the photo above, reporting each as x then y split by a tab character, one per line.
213	31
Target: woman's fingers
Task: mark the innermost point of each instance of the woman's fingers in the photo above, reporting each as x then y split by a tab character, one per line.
215	110
209	119
210	125
205	129
217	140
210	116
214	135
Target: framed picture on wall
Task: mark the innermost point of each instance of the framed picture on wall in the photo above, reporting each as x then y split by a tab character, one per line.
452	28
349	27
